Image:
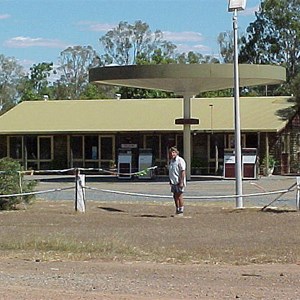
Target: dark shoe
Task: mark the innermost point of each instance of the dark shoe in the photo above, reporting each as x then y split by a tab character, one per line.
179	214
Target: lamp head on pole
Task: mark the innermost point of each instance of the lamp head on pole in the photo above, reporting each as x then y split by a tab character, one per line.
236	5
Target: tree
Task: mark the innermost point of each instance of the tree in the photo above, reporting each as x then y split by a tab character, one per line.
74	65
11	77
195	58
36	84
94	91
164	55
136	44
226	46
273	38
131	44
295	88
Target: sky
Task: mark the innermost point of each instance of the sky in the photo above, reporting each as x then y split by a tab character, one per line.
35	31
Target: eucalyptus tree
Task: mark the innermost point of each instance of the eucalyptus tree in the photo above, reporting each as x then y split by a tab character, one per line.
196	58
74	63
11	78
129	44
226	46
136	44
274	37
295	89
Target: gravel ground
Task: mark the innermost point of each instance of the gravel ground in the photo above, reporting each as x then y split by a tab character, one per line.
228	253
110	280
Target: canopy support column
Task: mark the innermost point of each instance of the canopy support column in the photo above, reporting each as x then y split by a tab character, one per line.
187	134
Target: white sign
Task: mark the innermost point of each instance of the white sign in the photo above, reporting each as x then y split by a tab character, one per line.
236	5
128	146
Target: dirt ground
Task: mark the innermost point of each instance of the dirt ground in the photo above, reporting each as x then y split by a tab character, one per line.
140	251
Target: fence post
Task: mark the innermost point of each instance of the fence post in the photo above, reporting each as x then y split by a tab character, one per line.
79	191
298	193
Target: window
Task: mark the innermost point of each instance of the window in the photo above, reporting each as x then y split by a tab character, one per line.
285	143
231	141
252	140
179	143
33	150
76	147
107	148
216	146
37	153
91	147
31	146
153	142
92	151
45	148
15	147
159	146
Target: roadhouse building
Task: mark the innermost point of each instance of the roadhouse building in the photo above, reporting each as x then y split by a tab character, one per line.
52	135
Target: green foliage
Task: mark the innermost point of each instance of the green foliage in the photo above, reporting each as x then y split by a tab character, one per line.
270	163
74	65
226	46
93	91
11	78
11	182
36	84
126	44
295	87
136	44
273	38
136	93
212	94
196	58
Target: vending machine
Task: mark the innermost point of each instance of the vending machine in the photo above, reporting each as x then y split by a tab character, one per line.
145	162
229	163
124	163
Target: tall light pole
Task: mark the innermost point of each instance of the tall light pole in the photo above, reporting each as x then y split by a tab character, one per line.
235	6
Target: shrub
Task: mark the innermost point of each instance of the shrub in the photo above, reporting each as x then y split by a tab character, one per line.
11	182
272	162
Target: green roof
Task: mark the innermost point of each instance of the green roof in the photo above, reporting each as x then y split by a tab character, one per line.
94	116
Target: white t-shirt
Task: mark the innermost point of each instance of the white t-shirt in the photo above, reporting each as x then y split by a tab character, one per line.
176	166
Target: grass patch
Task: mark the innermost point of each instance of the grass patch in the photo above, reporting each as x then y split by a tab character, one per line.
66	248
135	232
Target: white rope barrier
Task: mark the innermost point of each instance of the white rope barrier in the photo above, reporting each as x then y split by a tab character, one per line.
36	193
150	195
32	172
74	170
128	193
144	172
290	189
189	197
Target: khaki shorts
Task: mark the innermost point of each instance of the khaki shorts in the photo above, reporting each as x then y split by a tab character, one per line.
176	188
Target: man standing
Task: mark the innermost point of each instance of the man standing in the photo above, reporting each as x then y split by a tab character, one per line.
177	176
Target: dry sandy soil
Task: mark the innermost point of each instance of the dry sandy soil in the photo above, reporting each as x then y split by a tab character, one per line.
140	251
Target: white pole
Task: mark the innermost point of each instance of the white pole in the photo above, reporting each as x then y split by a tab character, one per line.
187	134
298	193
237	135
80	193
